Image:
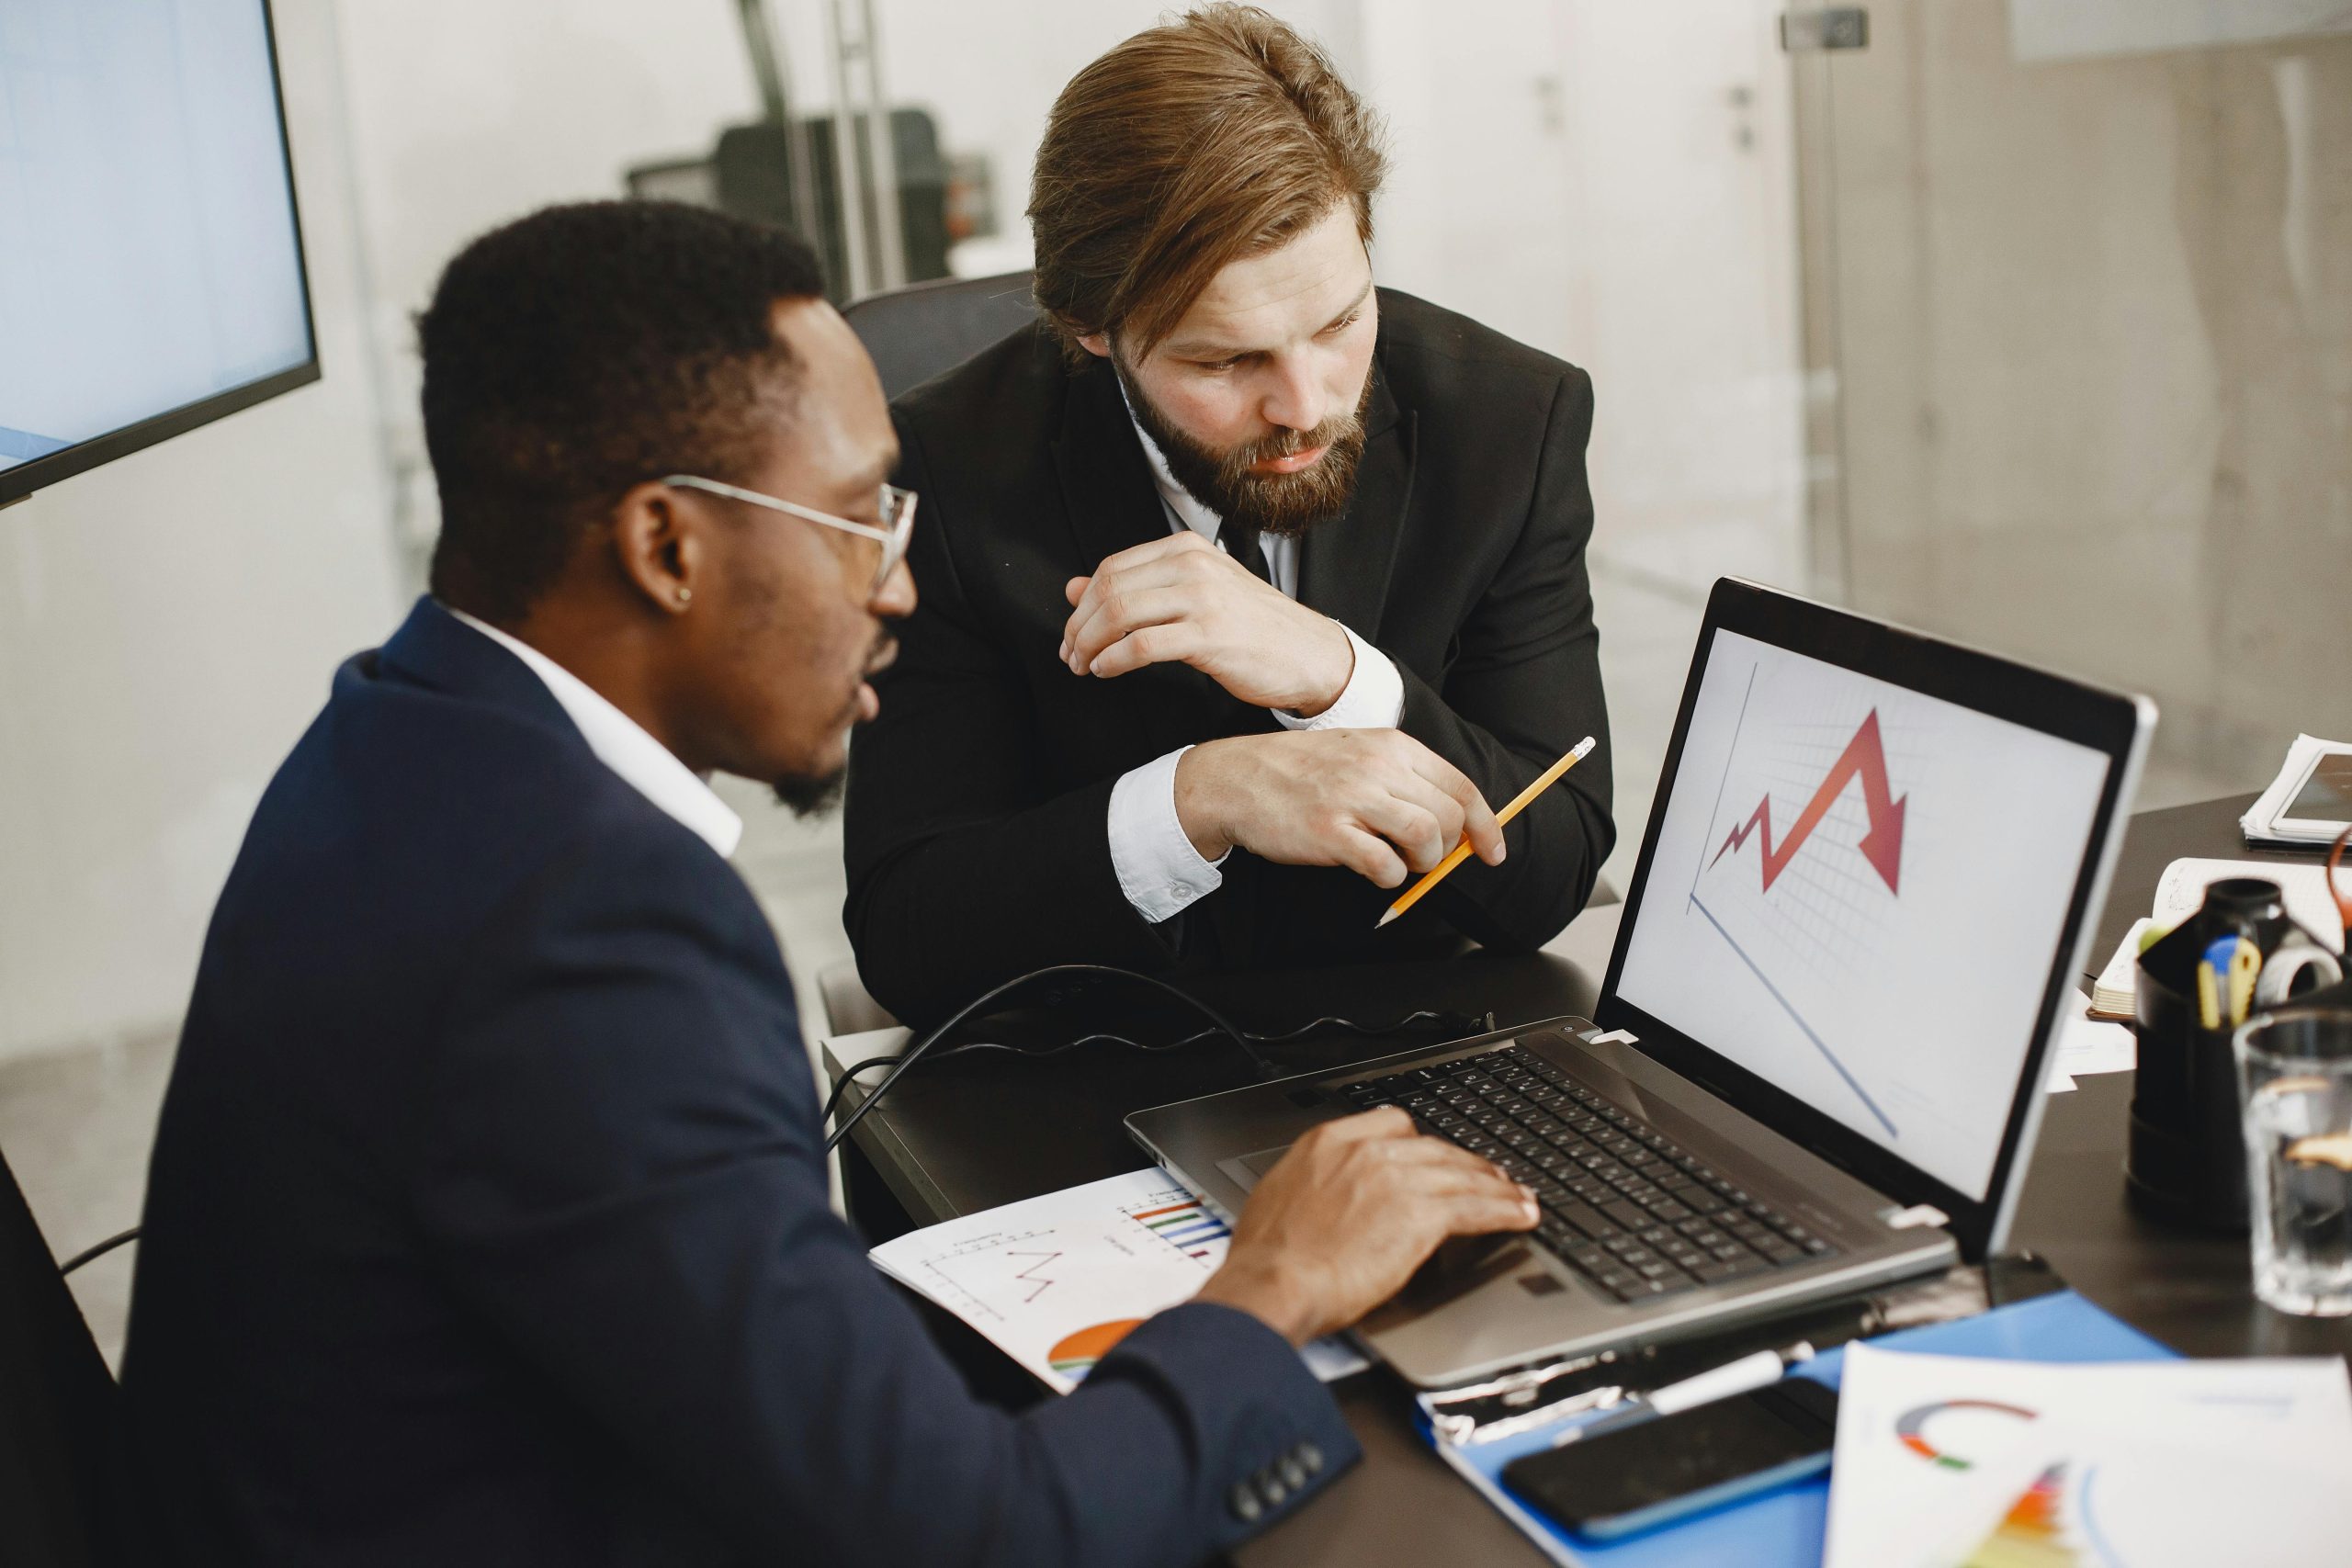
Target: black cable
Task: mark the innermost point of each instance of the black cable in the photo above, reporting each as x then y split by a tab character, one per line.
916	1051
89	1254
1448	1023
1460	1024
849	1074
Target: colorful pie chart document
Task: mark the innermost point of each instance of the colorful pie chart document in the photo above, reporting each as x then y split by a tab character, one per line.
1947	1461
1055	1281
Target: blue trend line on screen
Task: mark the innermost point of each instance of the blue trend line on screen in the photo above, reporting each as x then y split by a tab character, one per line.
24	445
1828	1055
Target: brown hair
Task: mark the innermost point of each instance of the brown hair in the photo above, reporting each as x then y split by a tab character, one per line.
1215	137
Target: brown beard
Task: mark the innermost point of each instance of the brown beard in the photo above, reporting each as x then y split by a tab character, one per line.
1272	503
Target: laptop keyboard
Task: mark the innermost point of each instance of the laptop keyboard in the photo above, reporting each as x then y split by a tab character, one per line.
1624	1205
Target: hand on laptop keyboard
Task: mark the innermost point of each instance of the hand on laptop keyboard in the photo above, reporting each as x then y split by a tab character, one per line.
1342	1220
1624	1205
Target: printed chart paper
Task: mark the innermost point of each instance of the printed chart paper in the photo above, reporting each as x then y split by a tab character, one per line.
1955	1462
1055	1281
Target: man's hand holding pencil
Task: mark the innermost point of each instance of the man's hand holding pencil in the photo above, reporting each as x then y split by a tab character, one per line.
1376	801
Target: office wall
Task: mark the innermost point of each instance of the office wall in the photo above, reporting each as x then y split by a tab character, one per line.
168	624
2093	354
466	113
1611	183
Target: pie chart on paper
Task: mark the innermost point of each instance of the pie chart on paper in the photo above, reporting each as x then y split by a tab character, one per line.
1074	1355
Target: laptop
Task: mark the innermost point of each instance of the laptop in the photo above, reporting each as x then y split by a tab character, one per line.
1816	1063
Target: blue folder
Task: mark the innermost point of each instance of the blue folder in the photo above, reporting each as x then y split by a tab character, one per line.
1786	1528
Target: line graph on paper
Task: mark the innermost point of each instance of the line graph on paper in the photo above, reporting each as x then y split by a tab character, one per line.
1803	871
1058	1281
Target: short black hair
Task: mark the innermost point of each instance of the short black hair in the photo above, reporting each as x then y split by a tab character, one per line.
583	350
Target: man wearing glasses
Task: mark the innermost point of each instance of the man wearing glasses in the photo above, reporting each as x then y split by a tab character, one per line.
1248	586
488	1220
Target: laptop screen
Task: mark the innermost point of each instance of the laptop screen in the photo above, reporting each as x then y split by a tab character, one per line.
1855	893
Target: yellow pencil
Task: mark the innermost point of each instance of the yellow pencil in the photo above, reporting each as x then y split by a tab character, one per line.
1549	777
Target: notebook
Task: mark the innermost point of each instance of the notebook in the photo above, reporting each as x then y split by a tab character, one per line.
2179	893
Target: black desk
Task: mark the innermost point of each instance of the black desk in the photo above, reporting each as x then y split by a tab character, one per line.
965	1136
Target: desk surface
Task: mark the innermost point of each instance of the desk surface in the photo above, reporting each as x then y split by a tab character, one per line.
968	1136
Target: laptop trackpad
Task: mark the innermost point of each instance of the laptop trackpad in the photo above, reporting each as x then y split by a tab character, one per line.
1245	1170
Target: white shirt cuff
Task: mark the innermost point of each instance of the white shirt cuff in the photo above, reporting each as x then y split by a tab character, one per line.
1375	698
1160	871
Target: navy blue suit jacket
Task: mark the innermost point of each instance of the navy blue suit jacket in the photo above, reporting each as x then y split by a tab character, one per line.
488	1217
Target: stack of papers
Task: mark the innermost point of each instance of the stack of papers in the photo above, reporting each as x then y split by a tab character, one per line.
1947	1461
2117	988
2310	788
2086	1047
1055	1281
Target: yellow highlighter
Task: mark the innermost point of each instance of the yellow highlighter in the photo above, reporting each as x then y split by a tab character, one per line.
2245	967
2226	978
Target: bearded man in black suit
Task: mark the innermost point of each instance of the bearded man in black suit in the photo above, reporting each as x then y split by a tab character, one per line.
1248	584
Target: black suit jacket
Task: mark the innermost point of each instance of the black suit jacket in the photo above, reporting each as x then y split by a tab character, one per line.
488	1222
977	843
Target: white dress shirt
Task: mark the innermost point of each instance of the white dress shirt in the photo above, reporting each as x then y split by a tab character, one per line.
1158	869
621	744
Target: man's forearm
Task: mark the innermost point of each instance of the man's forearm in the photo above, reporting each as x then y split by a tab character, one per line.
1162	865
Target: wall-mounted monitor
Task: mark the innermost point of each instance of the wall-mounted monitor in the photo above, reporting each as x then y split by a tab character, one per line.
151	257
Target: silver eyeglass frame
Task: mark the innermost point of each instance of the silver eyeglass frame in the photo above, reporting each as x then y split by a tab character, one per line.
895	504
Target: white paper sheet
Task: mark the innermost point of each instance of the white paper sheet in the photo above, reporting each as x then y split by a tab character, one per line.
2087	1046
2182	889
2098	1494
1933	1451
1055	1281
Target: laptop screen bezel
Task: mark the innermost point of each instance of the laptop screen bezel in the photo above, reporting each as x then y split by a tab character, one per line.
2105	721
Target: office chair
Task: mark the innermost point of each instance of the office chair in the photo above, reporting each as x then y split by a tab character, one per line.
915	332
57	1406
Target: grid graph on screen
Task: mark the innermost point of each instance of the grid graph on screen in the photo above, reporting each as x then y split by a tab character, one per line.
1816	822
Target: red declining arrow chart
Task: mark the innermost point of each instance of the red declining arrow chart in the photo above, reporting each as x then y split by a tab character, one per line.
1864	757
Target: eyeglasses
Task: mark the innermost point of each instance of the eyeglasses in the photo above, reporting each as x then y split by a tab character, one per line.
897	512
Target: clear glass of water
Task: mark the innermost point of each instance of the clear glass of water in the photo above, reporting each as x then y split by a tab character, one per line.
2295	1086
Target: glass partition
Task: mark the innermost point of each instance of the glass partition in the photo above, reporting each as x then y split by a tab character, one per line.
2079	291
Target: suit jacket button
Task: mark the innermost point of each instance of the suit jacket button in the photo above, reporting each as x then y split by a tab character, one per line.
1243	1501
1274	1491
1294	1471
1311	1457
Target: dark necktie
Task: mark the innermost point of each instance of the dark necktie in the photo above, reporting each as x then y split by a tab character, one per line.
1241	542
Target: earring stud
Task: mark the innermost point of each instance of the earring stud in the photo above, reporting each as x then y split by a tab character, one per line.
686	596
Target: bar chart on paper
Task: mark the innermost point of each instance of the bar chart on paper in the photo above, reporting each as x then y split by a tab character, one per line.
1058	1281
1856	894
1186	1226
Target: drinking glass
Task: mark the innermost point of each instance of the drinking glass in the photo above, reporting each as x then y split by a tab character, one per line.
2295	1087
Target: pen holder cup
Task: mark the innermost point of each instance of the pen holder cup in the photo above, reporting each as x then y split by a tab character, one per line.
2185	1162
